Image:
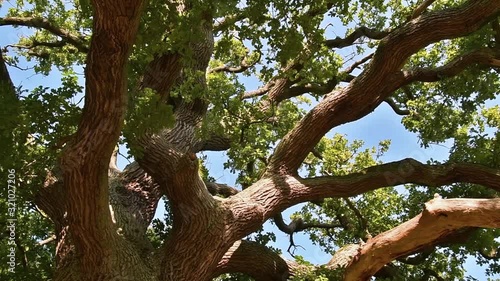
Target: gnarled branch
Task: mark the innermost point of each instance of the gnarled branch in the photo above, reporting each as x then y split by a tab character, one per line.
484	56
377	81
256	261
439	217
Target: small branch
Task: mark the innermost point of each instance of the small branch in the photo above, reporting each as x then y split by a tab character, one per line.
355	35
45	24
231	69
418	258
490	254
228	21
483	56
429	272
55	44
357	64
363	224
395	107
259	92
297	225
244	65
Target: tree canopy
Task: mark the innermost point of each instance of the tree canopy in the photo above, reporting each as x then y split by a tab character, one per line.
266	83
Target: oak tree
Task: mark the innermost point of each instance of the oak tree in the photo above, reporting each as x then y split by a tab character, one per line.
173	79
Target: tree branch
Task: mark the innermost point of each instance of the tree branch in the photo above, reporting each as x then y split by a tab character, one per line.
421	8
377	81
255	260
484	56
339	42
396	108
269	196
220	189
439	217
490	254
6	84
357	64
244	65
402	172
260	91
52	238
75	40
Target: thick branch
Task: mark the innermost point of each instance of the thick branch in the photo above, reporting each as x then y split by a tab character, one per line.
484	56
269	196
421	8
377	81
402	172
213	143
85	160
220	189
256	261
43	23
440	217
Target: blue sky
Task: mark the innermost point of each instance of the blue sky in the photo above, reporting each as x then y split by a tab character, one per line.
382	124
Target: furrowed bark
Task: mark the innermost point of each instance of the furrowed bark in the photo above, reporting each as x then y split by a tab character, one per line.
85	160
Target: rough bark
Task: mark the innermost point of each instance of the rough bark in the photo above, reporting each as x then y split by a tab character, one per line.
85	159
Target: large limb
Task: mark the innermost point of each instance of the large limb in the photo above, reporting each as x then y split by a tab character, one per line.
85	160
377	82
267	197
169	157
74	39
6	84
439	218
